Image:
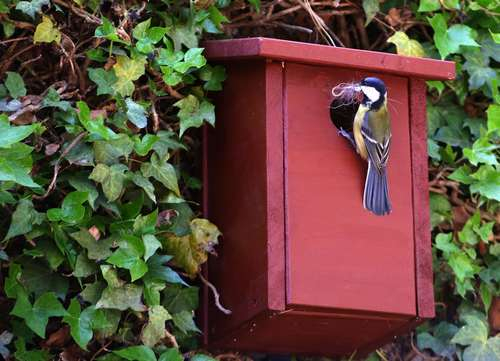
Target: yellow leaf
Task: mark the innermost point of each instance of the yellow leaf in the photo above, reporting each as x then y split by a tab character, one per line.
127	70
192	250
406	46
46	32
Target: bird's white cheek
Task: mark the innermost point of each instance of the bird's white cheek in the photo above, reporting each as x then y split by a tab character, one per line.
371	93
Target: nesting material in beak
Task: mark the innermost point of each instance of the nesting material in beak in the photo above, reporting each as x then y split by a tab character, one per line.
347	94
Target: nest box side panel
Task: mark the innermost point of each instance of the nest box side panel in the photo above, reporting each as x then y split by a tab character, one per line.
239	197
423	247
338	254
311	333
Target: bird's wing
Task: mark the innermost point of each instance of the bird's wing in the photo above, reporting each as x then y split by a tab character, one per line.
377	147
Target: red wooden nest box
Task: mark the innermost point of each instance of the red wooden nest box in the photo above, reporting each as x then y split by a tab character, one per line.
303	267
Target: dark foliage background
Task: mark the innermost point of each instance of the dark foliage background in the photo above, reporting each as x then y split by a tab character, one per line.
100	102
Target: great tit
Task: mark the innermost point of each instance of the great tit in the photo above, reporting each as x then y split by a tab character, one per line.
371	137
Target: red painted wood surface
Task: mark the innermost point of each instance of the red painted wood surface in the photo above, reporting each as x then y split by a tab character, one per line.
340	255
327	55
422	224
302	266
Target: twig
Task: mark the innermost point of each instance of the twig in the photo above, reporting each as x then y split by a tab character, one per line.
14	39
216	295
57	166
103	348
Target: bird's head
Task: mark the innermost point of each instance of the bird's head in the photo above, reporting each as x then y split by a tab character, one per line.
374	92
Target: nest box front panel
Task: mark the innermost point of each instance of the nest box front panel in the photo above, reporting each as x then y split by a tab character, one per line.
338	254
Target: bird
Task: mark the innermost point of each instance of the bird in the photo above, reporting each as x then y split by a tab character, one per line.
370	135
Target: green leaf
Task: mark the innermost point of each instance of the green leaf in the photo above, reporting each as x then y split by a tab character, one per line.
46	32
467	234
15	85
111	178
158	272
140	30
475	330
129	256
177	298
22	354
82	184
108	31
31	7
493	113
482	152
483	351
444	242
118	295
84	267
487	181
93	126
144	224
371	8
37	278
151	244
184	322
80	323
163	172
213	77
477	65
110	151
155	328
136	353
92	291
97	249
37	315
429	5
462	175
127	71
405	45
23	219
72	209
192	113
171	354
143	146
448	41
53	99
145	184
136	114
15	165
183	35
105	80
193	58
462	266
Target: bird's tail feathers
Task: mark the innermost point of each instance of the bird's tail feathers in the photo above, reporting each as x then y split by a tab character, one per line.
376	194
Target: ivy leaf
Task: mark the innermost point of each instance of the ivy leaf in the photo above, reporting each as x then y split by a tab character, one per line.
428	5
477	65
119	295
52	99
127	71
93	126
144	224
482	152
105	80
136	114
183	35
184	322
444	242
493	113
489	350
145	184
405	45
109	151
84	267
158	272
37	315
136	353
462	266
191	251
163	172
97	249
46	32
15	164
192	113
177	298
371	8
467	234
193	58
143	146
475	330
151	244
15	85
23	219
80	323
129	256
31	7
155	328
213	77
37	278
72	209
140	30
487	181
22	354
448	41
111	178
172	354
82	184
